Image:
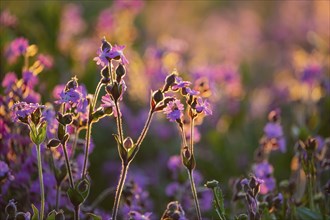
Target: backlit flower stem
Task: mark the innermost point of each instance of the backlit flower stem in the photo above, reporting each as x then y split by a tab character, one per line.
41	181
58	190
125	165
194	192
119	123
88	136
190	172
122	178
68	167
97	91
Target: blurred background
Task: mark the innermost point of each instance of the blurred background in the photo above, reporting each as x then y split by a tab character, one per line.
252	56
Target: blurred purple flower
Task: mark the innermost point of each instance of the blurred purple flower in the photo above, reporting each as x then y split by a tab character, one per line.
7	82
273	130
191	91
46	60
203	106
311	74
58	90
172	189
173	110
30	79
7	19
19	46
4	169
264	172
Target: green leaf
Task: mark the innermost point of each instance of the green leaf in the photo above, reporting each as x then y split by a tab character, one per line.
304	213
35	215
80	192
94	217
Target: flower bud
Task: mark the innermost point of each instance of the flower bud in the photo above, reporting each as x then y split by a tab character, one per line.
72	84
64	119
212	184
311	145
23	216
105	45
158	96
169	81
128	143
105	73
120	72
53	143
36	116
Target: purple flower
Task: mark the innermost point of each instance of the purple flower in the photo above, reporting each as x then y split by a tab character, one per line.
19	46
7	19
203	106
174	164
71	96
172	189
102	58
58	90
264	172
9	79
4	169
191	91
311	73
173	110
29	78
23	109
273	130
179	83
46	60
116	52
107	102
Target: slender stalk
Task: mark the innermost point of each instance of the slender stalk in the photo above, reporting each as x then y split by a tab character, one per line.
102	196
123	174
192	124
193	190
41	181
145	129
310	192
58	190
97	91
68	167
74	145
76	212
88	135
119	123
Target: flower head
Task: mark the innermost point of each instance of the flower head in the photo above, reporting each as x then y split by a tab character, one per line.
173	110
107	102
179	83
23	110
116	52
203	106
107	52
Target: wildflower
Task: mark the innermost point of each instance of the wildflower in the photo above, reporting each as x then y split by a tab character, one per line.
264	172
117	53
174	211
46	60
4	169
19	46
203	106
102	58
29	78
71	96
173	110
190	91
179	83
9	80
22	110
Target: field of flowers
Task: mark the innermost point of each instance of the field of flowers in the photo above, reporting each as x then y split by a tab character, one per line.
171	110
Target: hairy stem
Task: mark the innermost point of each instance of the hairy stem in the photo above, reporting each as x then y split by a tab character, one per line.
41	181
74	145
88	136
119	123
192	124
145	129
194	192
68	167
123	174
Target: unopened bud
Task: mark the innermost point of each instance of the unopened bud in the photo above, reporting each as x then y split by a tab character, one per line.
128	143
120	72
53	143
105	45
158	96
170	79
212	184
105	72
72	84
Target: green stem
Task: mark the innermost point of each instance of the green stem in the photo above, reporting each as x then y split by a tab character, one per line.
145	129
218	205
310	192
41	181
74	145
68	167
123	174
88	135
58	190
192	124
194	192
